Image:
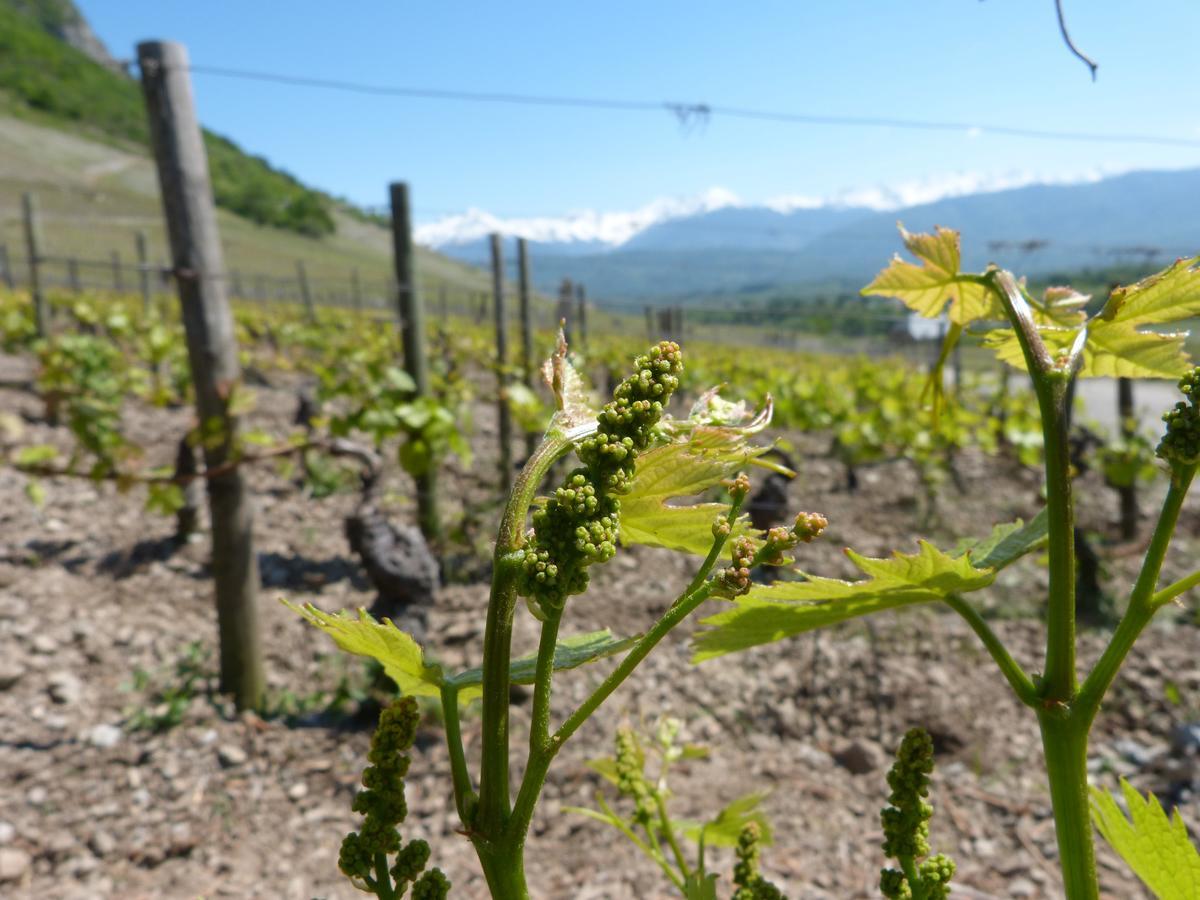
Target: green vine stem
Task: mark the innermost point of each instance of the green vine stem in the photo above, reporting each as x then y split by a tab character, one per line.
1064	731
1018	680
493	810
1143	601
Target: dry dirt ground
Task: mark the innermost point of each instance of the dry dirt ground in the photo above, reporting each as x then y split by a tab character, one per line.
229	806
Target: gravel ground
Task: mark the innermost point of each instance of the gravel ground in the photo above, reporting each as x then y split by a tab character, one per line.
241	806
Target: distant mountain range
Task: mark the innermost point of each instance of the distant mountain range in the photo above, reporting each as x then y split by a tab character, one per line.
1037	229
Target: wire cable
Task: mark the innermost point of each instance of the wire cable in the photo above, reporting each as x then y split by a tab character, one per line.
688	112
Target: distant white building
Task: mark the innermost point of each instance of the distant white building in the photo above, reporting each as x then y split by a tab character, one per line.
922	329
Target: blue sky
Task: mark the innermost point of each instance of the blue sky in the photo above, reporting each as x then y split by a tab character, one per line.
999	61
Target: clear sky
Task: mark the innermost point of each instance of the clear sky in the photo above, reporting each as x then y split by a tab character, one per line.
997	61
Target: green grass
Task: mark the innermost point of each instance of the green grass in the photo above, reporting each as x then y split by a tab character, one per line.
95	194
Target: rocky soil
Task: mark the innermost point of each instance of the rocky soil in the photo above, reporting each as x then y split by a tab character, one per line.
220	805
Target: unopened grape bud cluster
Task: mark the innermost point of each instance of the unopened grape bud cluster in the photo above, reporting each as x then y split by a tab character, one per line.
579	524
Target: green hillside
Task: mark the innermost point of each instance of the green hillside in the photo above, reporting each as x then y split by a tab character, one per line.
73	132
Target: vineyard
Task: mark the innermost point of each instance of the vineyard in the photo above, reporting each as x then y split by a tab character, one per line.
517	596
111	638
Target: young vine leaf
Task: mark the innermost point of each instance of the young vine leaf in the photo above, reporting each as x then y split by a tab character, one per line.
1156	848
404	662
395	650
724	829
770	613
701	456
1116	347
928	287
573	403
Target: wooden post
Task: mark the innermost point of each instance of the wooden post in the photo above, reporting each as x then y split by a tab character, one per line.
200	277
33	252
235	285
6	273
356	289
411	316
528	365
581	315
305	291
562	313
1127	493
139	242
73	275
502	410
117	275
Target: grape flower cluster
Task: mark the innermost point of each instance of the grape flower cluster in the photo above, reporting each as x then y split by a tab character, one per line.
906	824
1181	443
631	775
579	524
749	882
383	803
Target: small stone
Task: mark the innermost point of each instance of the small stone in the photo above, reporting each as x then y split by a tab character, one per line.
1022	887
1134	752
231	755
36	796
43	644
14	864
7	832
1185	738
104	736
102	843
298	791
64	687
10	673
859	757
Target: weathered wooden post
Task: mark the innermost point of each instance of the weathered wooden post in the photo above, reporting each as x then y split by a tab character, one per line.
305	291
528	364
118	279
6	272
581	315
73	276
33	253
356	290
200	277
412	333
1128	424
139	243
502	410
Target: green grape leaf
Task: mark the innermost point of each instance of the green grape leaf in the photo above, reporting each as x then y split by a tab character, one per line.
700	886
1156	848
35	455
573	403
724	828
404	662
683	468
569	653
928	287
1115	347
1113	350
36	492
1167	296
770	613
1008	542
395	650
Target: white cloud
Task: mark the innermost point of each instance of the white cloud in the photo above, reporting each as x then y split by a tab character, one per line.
615	228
